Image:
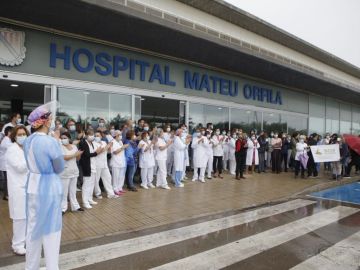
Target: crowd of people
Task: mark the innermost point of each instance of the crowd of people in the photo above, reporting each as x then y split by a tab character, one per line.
105	159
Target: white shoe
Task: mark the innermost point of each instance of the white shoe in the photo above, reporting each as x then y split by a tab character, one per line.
98	197
144	187
113	196
20	251
166	187
91	202
185	178
87	206
202	180
151	185
181	185
193	179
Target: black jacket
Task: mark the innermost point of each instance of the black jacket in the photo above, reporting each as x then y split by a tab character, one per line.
84	162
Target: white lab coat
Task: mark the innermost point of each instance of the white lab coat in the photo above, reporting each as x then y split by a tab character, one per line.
218	145
301	148
16	176
146	159
5	144
179	154
250	152
200	150
226	149
231	144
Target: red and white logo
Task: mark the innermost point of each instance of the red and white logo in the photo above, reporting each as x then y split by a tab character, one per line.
12	47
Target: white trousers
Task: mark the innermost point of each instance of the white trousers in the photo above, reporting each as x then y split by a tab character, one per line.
19	229
147	176
196	174
69	189
50	242
268	159
209	166
169	163
88	188
232	165
105	176
118	178
161	174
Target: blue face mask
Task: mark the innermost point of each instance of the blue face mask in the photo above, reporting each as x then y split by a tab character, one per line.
146	128
20	139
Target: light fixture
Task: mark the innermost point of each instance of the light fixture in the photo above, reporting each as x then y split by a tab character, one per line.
14	85
142	99
248	112
220	108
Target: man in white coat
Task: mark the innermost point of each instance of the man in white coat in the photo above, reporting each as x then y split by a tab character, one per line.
232	160
17	176
179	156
161	146
252	155
199	146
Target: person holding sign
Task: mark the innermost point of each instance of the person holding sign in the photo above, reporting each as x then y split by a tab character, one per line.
301	157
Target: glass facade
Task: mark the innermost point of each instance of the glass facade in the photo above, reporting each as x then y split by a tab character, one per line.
86	107
325	114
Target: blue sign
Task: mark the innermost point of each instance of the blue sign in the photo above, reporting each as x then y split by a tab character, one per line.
104	64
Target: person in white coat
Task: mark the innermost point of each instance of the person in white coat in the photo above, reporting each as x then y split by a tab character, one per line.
252	155
232	159
199	145
70	174
102	168
226	137
118	163
4	145
301	149
218	142
209	155
17	176
146	160
161	146
180	146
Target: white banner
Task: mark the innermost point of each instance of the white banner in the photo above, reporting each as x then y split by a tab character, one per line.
325	153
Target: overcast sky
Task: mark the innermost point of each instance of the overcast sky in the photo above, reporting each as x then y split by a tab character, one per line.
332	25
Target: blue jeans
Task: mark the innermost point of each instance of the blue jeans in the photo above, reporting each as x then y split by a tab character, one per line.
130	172
178	176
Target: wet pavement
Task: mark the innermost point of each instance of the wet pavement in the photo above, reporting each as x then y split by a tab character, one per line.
303	233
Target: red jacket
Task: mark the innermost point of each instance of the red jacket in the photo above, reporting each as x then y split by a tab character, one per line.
240	145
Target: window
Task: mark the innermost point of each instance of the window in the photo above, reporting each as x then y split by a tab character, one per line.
200	114
356	120
316	114
246	120
272	122
345	118
332	116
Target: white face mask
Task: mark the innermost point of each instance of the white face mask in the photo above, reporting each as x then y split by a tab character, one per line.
147	138
234	136
217	132
146	128
133	125
302	140
97	139
60	126
224	133
208	136
65	141
72	128
20	139
101	124
202	132
168	129
275	136
91	138
253	138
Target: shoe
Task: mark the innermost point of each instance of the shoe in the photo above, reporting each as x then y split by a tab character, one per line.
20	251
166	187
78	189
185	178
87	206
181	185
220	176
93	202
202	180
242	177
209	177
151	185
133	189
144	187
117	193
98	197
347	176
79	210
113	196
63	212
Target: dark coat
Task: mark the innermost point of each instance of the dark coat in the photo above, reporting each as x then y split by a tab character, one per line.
84	162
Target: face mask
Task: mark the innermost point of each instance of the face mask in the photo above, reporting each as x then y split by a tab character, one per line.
101	124
168	129
208	136
109	138
224	133
134	138
148	138
272	134
97	139
203	132
112	132
65	141
133	125
217	132
275	136
90	138
146	128
234	136
253	137
72	128
18	121
20	139
60	126
302	140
